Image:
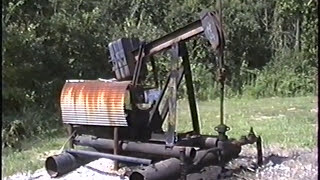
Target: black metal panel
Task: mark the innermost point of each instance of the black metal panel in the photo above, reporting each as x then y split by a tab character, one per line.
121	57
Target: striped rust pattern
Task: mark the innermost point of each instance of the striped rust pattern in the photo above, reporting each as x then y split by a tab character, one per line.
94	102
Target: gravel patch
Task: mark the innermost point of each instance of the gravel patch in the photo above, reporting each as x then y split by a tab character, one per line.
280	164
293	164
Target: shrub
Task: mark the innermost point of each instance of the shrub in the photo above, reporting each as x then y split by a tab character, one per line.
30	122
287	75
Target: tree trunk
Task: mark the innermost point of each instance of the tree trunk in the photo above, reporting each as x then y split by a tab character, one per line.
297	44
266	16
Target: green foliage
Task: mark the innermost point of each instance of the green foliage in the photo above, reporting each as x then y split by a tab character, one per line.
288	75
28	123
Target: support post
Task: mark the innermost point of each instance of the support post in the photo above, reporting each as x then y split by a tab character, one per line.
155	71
259	151
115	146
71	135
190	89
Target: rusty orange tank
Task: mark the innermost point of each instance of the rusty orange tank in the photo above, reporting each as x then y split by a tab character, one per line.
94	102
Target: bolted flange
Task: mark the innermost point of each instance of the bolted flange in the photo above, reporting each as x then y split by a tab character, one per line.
222	129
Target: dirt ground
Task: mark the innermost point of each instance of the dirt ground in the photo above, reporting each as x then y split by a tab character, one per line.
293	164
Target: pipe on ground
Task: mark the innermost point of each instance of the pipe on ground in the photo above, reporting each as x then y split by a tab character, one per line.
167	169
170	168
200	141
148	148
64	163
61	164
110	156
229	151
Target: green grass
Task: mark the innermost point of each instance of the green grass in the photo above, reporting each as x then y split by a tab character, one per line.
285	122
31	154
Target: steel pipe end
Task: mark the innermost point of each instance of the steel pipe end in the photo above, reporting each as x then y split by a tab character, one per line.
58	165
191	153
51	167
136	176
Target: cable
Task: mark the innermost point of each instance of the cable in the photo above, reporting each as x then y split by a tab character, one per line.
64	144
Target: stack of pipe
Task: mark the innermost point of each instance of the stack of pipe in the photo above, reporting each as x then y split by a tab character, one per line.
219	153
171	168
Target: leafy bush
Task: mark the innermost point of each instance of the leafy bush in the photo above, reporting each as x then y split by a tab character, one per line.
289	74
30	122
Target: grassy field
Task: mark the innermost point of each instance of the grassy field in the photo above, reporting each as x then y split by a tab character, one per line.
285	122
31	155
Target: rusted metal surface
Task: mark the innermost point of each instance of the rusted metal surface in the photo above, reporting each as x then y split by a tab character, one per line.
167	169
208	23
168	40
94	102
131	146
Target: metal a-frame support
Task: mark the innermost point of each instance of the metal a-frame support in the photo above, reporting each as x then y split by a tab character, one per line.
179	50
